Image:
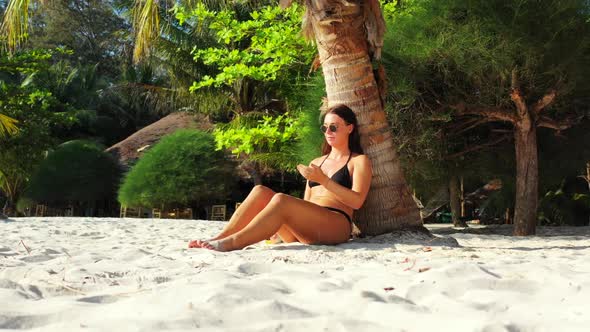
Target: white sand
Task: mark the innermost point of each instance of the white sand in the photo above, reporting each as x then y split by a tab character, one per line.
85	274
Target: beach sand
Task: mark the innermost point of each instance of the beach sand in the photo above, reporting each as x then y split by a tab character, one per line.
110	274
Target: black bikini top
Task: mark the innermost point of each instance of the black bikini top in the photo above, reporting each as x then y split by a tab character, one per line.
341	177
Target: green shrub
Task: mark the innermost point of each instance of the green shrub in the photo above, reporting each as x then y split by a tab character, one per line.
307	99
24	203
77	171
182	169
564	206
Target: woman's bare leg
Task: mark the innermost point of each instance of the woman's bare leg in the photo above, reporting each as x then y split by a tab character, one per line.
308	222
256	201
286	234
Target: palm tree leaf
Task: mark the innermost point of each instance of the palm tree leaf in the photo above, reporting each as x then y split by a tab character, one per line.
15	24
7	125
146	23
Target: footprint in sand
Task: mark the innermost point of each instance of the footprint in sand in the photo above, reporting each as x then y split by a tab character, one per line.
5	251
502	328
332	285
28	292
37	258
253	268
51	252
90	234
24	322
99	299
274	309
372	296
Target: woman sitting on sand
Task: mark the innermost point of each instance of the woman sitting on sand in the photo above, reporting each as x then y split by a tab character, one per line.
324	215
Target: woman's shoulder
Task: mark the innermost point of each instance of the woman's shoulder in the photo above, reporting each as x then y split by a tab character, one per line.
359	156
360	159
318	160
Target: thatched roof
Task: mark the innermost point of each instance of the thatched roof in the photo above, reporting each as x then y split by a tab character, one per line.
131	148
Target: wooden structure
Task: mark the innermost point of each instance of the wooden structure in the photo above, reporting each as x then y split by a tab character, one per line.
130	212
69	211
186	213
218	212
131	148
40	210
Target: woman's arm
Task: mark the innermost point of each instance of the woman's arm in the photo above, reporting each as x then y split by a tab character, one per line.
361	181
307	194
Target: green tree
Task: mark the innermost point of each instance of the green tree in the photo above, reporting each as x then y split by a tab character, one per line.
260	48
250	56
39	115
21	152
74	172
94	30
269	143
499	65
182	169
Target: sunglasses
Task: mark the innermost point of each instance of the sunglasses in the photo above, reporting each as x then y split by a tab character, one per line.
333	128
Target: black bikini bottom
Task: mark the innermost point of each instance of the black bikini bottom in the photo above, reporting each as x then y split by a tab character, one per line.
339	211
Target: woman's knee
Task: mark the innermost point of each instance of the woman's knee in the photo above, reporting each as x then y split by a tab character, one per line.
262	190
280	199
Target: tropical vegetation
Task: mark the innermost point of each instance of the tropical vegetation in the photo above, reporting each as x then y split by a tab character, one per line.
450	96
183	169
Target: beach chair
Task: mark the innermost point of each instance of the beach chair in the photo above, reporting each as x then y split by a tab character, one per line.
157	213
129	212
172	214
186	213
40	210
69	211
218	212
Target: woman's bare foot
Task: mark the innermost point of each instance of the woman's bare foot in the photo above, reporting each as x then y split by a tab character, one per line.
217	245
275	239
199	243
195	244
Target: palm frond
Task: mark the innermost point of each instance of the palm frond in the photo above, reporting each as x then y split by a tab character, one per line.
15	25
7	126
146	23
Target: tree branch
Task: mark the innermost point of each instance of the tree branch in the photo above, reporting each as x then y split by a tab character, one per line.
547	100
477	147
491	113
467	125
516	97
547	122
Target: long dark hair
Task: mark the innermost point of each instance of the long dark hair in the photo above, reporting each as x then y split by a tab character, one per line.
354	140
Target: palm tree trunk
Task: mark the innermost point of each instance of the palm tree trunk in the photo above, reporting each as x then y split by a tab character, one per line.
344	54
455	198
527	177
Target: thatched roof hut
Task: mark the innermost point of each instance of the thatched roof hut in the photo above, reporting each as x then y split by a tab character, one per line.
131	148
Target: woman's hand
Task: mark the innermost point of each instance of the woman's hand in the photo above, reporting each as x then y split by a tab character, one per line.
313	173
